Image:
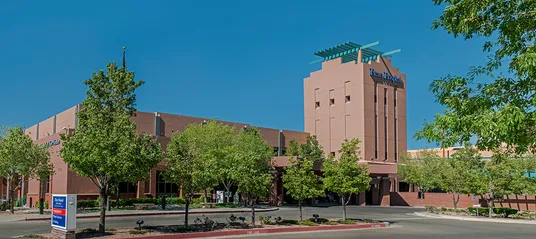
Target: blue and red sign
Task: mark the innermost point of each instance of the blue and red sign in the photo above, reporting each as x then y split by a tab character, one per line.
59	211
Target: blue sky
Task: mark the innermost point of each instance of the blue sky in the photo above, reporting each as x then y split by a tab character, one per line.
239	61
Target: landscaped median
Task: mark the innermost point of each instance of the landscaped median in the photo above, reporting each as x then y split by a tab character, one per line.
130	213
501	215
235	226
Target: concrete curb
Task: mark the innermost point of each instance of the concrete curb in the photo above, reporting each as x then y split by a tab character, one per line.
476	219
259	231
163	213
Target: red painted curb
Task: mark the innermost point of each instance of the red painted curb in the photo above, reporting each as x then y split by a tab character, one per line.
262	231
157	214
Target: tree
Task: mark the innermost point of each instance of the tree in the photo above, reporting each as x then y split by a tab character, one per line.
195	156
346	176
495	108
456	174
312	150
501	176
105	146
421	169
44	170
19	158
293	148
254	177
301	182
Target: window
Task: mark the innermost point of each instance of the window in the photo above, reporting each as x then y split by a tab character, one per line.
347	99
47	186
317	104
331	101
125	187
163	187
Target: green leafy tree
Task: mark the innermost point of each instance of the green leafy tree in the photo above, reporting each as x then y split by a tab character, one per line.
501	176
254	156
19	159
312	150
421	169
346	176
456	174
105	146
293	148
196	156
301	182
498	109
44	170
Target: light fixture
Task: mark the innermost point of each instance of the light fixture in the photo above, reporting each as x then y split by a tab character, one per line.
139	222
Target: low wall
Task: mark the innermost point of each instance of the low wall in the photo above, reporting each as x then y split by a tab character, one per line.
445	200
430	199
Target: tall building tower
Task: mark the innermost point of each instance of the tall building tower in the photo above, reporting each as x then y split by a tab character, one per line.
358	93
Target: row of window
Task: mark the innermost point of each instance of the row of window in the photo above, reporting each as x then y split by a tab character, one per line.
332	101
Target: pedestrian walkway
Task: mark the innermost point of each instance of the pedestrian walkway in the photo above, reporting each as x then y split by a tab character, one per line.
129	213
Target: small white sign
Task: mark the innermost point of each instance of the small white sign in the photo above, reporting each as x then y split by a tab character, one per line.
476	206
64	212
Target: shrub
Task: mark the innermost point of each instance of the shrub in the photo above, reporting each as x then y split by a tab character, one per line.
332	223
431	209
278	220
138	232
500	211
86	204
89	230
320	220
482	211
506	211
288	221
308	223
443	209
232	218
266	220
3	206
347	221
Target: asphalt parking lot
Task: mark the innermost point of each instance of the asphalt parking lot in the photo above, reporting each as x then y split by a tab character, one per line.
404	224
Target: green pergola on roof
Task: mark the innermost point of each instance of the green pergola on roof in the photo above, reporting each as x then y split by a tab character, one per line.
348	52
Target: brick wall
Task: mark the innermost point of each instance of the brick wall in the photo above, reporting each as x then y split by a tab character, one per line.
445	200
430	199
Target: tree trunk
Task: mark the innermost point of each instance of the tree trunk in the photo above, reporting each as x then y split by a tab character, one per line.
343	208
227	187
490	207
117	197
103	201
41	199
299	204
187	206
11	195
252	211
455	199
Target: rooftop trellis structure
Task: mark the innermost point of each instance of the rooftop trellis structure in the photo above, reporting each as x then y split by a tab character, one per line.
348	52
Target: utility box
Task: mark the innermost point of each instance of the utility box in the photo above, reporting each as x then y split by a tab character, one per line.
64	212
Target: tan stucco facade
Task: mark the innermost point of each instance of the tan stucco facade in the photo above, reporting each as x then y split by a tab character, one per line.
344	101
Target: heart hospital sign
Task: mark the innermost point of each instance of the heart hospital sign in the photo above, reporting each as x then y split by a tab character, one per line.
386	76
64	212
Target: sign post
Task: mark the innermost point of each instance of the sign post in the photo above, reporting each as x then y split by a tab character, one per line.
63	219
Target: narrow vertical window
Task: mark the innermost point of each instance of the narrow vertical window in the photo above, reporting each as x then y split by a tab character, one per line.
396	126
385	120
375	121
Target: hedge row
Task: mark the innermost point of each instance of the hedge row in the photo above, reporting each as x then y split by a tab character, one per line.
484	211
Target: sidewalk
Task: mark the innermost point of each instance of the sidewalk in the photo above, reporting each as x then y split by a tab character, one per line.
476	219
130	213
